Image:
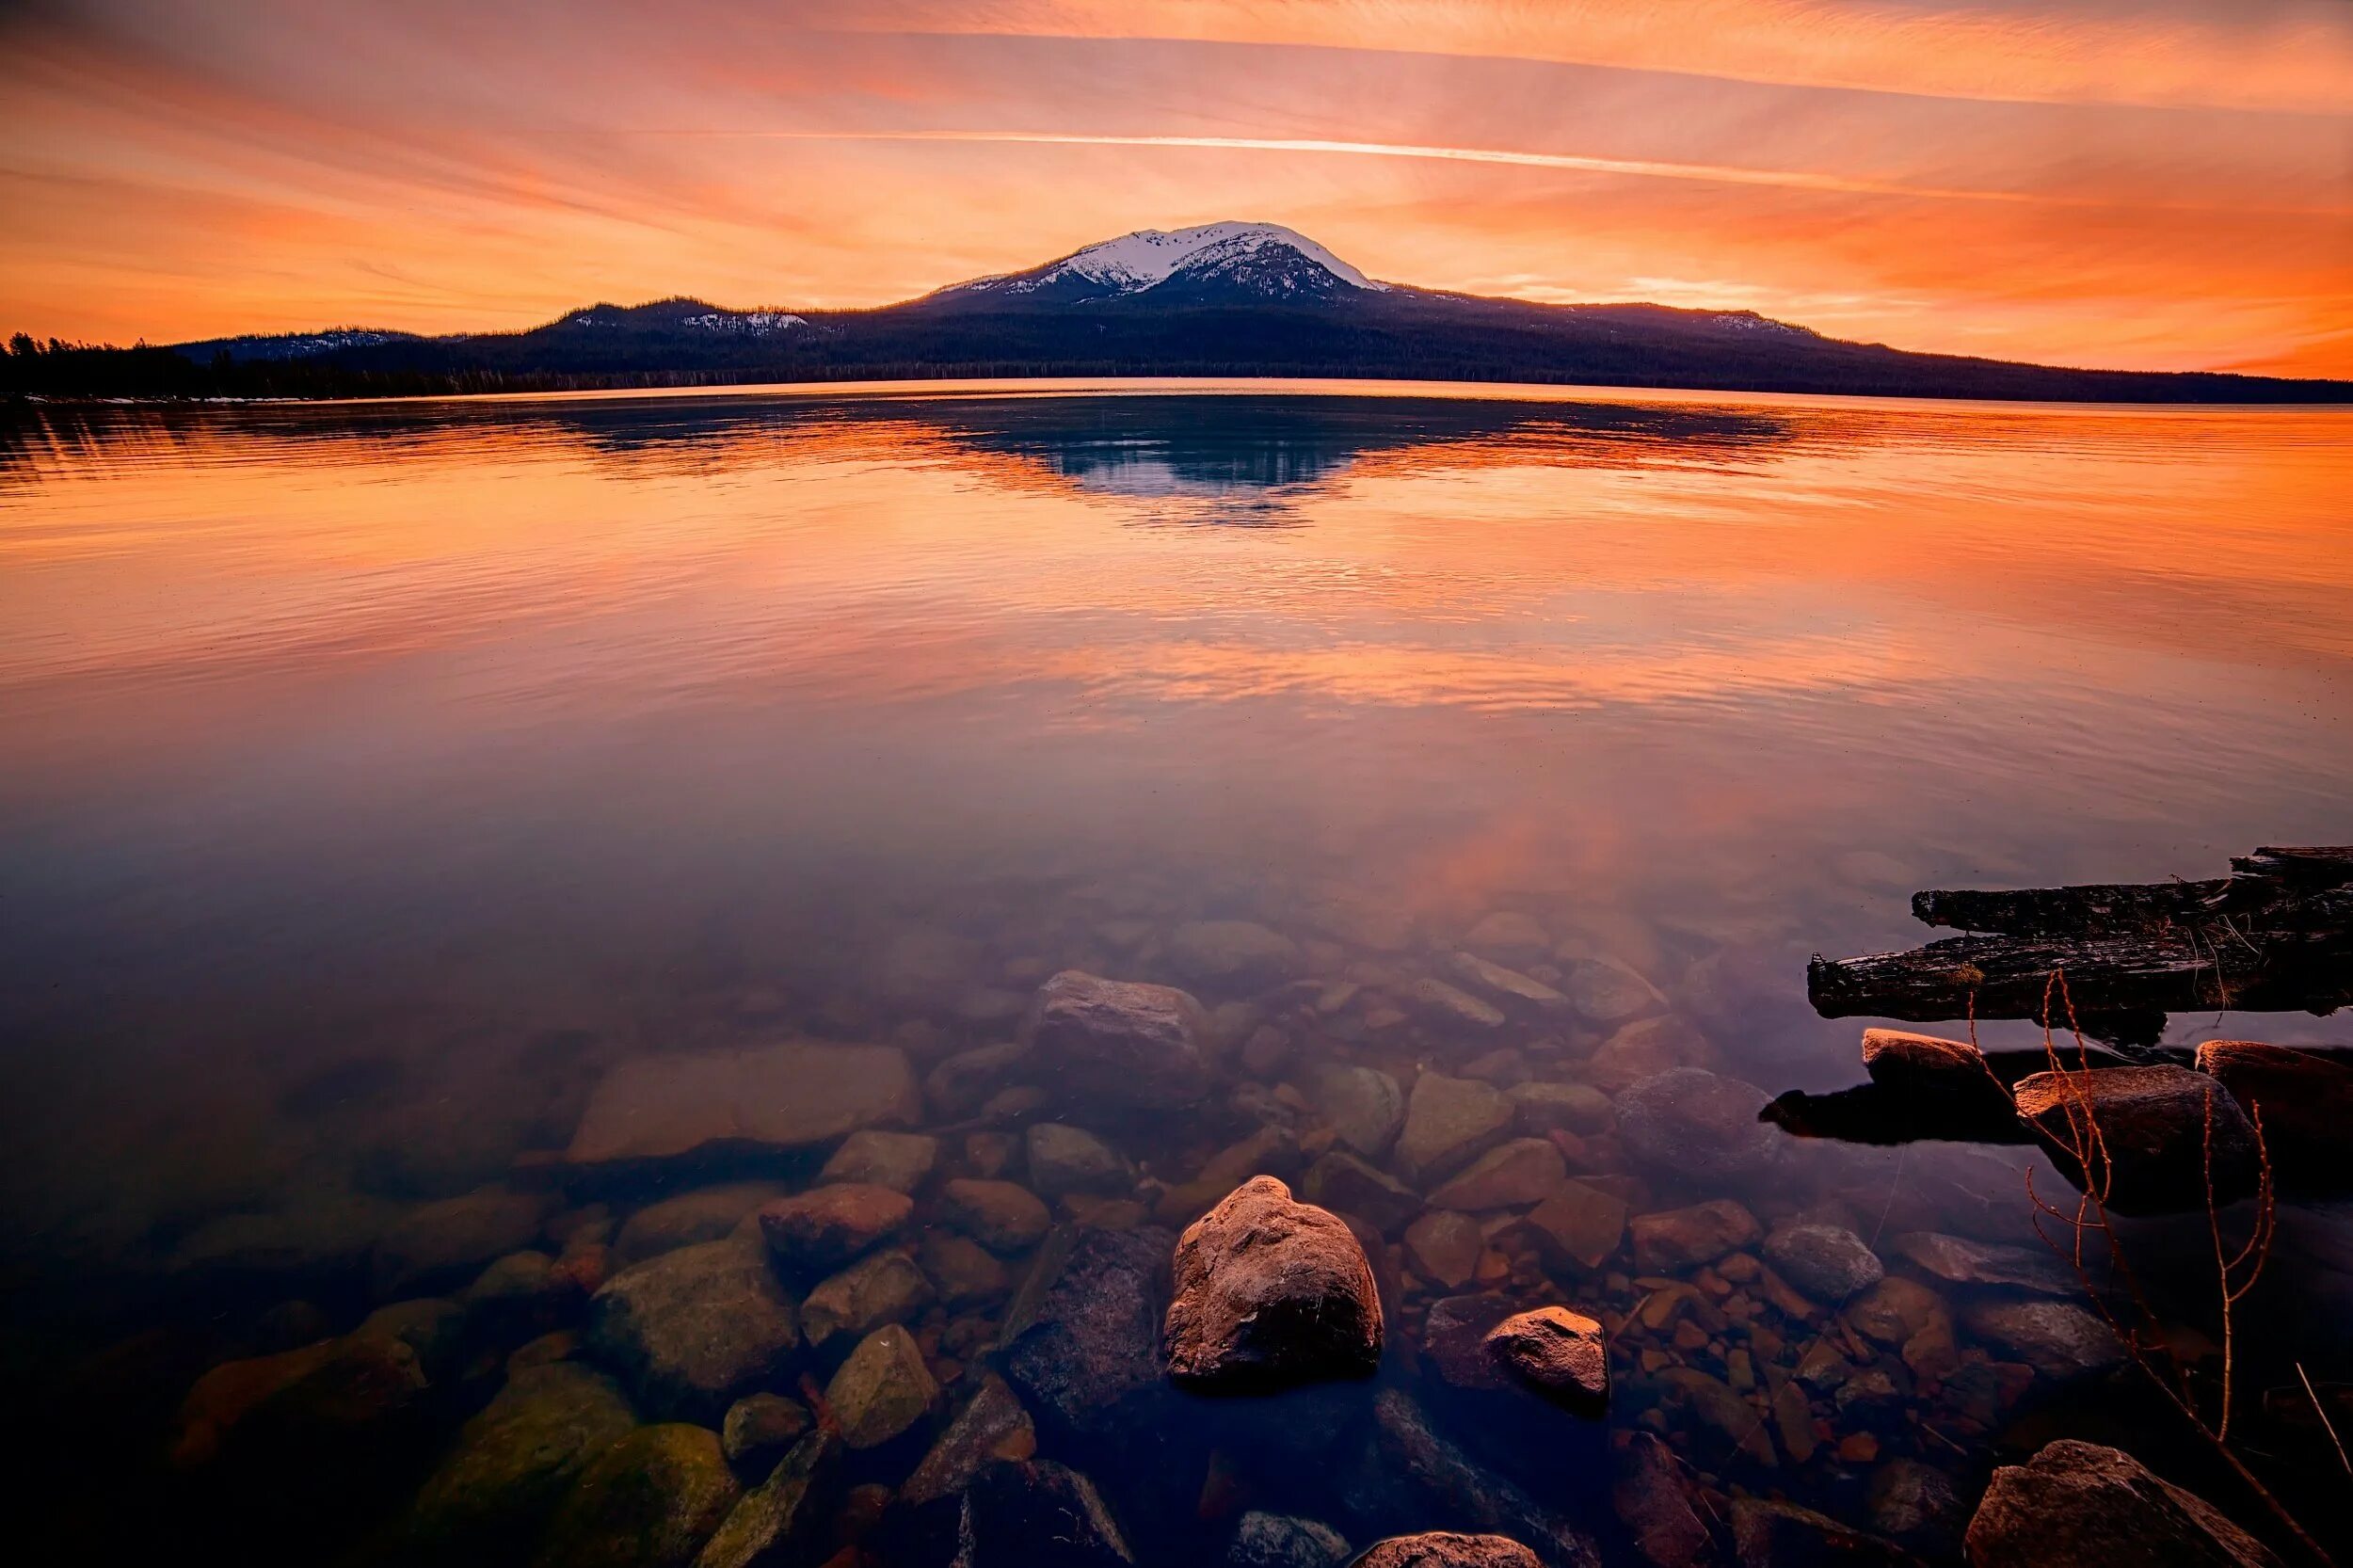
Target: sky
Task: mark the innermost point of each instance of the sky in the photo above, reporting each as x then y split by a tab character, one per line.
2143	183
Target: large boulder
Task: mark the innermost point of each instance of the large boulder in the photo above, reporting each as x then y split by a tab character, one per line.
2167	1136
1122	1043
795	1095
511	1464
1693	1127
1447	1550
693	1329
2078	1504
649	1500
1271	1294
1449	1123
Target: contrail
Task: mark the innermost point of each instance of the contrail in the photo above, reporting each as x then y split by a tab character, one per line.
1714	173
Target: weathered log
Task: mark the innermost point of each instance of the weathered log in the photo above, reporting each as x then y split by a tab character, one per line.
2285	888
2275	936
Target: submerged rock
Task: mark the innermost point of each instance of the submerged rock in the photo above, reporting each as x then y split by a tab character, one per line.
1512	1175
511	1464
1232	955
1363	1106
1957	1261
1347	1185
1081	1340
1445	1245
965	1273
1509	936
1072	1159
1446	1549
881	1288
1271	1294
1831	1261
1783	1535
1119	1043
1679	1239
1560	1354
1608	993
2078	1504
1737	1427
1449	1123
1647	1047
1422	1470
693	1329
992	1427
1658	1501
1543	1106
2059	1340
1510	987
1929	1064
759	1426
1450	1007
1035	1514
649	1500
1695	1126
883	1389
450	1242
825	1227
705	1214
1279	1541
793	1096
902	1162
1580	1224
785	1521
999	1215
278	1406
2163	1131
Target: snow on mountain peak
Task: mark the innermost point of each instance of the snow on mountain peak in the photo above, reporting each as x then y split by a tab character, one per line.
1148	257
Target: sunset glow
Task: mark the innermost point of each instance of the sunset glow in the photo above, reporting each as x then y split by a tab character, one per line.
2158	186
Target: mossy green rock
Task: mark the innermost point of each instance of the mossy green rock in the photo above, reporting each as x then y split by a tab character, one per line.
782	1522
649	1500
513	1462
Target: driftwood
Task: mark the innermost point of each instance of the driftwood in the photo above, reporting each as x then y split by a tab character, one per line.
2274	935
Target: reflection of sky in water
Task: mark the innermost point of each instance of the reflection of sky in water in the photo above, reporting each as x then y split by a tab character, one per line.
347	729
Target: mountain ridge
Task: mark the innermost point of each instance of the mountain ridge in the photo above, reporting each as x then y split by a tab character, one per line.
1231	298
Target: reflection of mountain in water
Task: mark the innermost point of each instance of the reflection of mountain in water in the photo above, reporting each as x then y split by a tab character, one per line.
1254	451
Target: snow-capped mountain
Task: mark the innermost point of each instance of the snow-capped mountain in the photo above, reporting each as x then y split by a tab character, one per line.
1214	260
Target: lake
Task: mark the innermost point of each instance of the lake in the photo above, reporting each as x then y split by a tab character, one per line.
381	780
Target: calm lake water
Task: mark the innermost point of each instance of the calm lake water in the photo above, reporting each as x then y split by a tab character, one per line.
375	778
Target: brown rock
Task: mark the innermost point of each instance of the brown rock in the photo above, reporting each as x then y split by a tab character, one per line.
825	1227
1449	1123
1579	1223
1447	1550
1434	1002
793	1096
1560	1354
999	1215
1524	1171
1122	1043
1686	1238
1783	1535
1957	1261
1344	1184
1646	1047
2059	1340
899	1160
1658	1501
2156	1126
2304	1099
1894	1310
1271	1294
2078	1504
1444	1245
1696	1128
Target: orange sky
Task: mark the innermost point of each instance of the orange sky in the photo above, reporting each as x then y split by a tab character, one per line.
2158	184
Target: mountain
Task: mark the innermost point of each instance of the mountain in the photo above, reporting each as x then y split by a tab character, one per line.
1222	299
